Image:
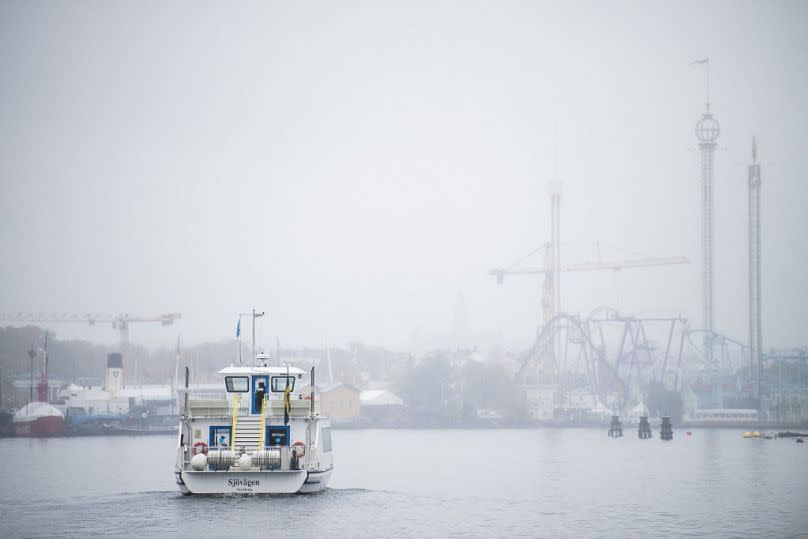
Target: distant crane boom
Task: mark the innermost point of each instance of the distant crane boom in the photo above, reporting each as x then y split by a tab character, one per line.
118	321
615	265
549	269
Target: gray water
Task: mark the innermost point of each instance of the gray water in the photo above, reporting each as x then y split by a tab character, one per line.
550	482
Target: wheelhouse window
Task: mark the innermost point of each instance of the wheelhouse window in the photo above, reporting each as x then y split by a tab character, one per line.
237	384
279	383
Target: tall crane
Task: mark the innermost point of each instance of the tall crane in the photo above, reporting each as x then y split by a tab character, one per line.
551	296
118	321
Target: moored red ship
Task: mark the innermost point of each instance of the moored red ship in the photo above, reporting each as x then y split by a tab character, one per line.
38	419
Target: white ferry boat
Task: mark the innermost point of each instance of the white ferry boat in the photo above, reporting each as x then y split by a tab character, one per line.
263	435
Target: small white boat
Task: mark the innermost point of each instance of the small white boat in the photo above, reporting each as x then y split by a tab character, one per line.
263	435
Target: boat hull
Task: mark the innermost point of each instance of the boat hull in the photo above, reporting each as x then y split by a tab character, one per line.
275	482
316	481
41	426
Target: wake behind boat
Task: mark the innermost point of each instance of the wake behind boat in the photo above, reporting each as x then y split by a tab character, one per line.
263	435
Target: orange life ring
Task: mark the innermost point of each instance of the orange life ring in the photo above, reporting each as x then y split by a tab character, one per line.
203	446
299	448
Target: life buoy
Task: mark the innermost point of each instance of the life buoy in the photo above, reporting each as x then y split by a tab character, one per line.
202	446
299	448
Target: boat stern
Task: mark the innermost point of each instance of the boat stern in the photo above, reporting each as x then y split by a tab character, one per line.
261	482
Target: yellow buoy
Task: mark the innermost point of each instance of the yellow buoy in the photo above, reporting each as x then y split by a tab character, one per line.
747	434
756	434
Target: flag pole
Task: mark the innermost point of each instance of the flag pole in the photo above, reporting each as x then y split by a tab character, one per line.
705	62
286	399
253	337
238	336
254	316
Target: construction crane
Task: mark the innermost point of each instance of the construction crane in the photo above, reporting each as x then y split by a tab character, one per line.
548	307
118	321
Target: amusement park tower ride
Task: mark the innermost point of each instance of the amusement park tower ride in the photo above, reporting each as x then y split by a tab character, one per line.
707	130
755	333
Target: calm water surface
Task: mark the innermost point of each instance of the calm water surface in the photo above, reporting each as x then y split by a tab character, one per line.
551	482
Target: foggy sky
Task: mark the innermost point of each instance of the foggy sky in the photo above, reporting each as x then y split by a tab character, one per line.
353	168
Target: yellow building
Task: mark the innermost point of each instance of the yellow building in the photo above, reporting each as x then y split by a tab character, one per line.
338	400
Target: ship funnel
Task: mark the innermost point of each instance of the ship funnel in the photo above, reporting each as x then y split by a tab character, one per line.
113	382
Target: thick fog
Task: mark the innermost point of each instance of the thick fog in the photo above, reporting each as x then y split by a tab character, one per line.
355	169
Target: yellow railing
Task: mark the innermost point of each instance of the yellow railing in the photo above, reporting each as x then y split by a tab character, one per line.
262	422
235	421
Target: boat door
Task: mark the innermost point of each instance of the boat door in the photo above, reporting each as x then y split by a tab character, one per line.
256	383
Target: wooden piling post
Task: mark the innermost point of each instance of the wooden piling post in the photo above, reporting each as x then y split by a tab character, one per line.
666	432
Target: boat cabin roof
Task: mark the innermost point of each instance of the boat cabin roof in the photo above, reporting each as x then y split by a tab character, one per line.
250	371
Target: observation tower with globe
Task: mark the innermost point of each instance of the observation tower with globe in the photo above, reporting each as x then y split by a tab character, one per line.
707	130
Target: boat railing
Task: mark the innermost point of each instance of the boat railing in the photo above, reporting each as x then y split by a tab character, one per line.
209	405
183	456
281	458
208	408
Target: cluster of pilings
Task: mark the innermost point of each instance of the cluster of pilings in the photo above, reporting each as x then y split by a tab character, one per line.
644	430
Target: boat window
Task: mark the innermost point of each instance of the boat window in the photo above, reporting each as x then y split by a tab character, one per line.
237	384
325	433
279	383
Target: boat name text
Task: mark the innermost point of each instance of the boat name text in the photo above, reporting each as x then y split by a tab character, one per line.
243	482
